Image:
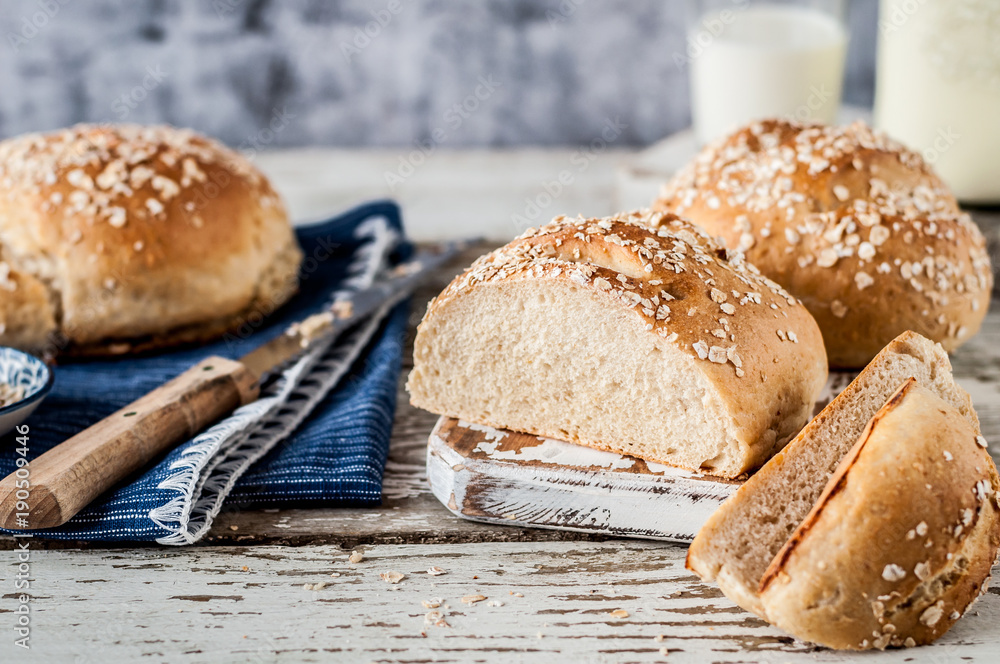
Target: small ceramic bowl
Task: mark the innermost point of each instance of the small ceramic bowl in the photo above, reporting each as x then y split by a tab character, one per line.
21	370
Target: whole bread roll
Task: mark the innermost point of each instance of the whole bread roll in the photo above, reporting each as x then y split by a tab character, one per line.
902	539
123	238
604	332
855	225
737	544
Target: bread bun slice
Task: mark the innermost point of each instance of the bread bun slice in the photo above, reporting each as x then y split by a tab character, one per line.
901	540
857	226
737	544
607	333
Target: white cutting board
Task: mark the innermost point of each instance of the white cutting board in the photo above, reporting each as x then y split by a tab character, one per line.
499	476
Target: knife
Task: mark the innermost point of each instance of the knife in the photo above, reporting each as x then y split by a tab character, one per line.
67	478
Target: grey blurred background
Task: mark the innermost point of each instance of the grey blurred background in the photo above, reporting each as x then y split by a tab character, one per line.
353	73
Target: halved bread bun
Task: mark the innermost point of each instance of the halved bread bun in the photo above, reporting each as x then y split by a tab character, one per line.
605	332
738	543
902	539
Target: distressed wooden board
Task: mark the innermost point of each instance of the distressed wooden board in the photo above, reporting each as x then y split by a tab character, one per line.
248	604
500	476
503	477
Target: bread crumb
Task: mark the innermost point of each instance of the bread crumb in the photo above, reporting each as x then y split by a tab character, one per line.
435	571
981	440
619	613
356	557
432	603
392	577
472	599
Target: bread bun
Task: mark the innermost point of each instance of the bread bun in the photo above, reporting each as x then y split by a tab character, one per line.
852	223
737	544
607	333
122	238
902	539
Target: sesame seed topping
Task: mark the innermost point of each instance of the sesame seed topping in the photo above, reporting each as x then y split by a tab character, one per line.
932	614
893	572
827	258
766	174
154	206
117	217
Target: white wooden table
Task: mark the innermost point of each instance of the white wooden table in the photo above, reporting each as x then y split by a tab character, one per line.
549	596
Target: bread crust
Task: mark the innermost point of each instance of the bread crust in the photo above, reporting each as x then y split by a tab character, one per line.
142	237
753	341
852	223
902	538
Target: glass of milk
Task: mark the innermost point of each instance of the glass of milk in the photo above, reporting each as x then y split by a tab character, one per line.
937	88
753	59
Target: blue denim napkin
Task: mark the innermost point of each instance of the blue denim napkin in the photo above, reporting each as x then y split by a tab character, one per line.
319	434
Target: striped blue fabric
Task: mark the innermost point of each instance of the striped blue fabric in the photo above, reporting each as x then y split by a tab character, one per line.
335	456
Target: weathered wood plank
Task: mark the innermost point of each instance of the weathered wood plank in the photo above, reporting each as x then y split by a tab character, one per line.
248	604
504	477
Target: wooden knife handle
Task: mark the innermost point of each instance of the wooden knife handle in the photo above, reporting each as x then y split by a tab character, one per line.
64	480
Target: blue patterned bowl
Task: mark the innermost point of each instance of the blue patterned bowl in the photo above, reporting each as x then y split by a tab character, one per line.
19	369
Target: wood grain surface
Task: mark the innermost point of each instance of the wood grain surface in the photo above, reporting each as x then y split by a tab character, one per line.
587	602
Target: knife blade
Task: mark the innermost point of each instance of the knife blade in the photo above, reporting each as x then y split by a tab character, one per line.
68	477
